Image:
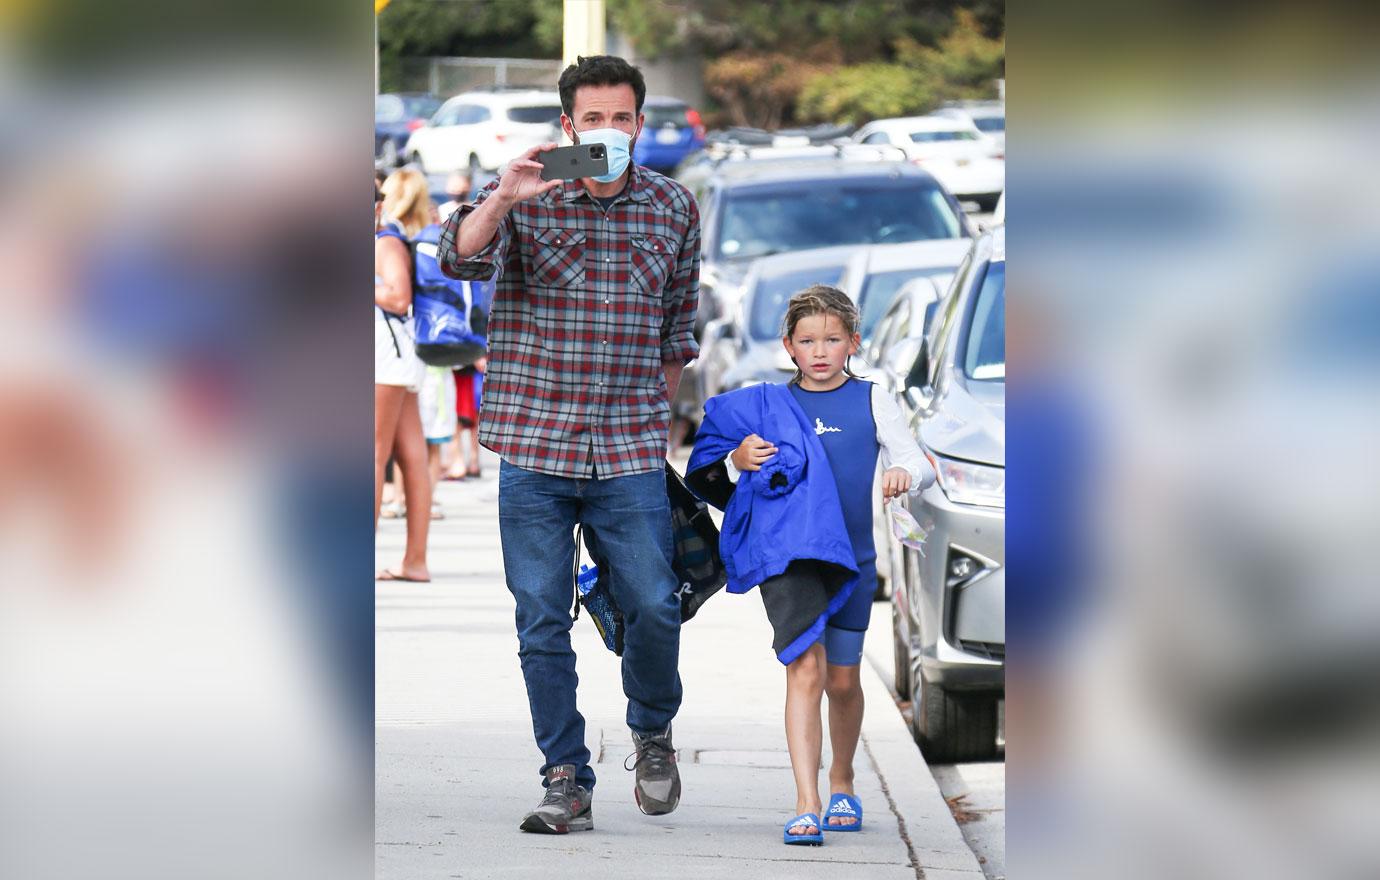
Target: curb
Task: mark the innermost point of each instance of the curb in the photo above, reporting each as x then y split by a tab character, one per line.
927	826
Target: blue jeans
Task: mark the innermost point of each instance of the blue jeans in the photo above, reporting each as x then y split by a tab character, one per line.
631	518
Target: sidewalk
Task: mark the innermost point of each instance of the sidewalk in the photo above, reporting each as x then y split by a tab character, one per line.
457	766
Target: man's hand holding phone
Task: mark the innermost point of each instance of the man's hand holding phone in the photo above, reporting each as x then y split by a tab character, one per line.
522	179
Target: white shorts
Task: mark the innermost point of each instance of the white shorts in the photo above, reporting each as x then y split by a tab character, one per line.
437	403
395	358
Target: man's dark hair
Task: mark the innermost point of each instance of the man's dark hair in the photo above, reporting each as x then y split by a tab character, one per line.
599	70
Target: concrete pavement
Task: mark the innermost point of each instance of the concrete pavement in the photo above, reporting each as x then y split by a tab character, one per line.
457	766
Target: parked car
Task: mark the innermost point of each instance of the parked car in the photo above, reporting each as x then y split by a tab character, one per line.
949	604
989	117
671	130
907	318
744	347
874	276
482	131
752	208
966	162
396	116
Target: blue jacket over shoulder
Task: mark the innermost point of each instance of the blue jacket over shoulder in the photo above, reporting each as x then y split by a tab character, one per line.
787	511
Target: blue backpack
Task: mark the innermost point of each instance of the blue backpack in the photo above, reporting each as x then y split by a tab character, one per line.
450	317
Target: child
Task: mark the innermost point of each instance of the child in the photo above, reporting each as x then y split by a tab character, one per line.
785	531
436	401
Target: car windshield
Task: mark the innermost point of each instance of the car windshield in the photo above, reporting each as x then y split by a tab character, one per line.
990	124
879	292
658	117
535	115
827	212
934	137
770	296
985	357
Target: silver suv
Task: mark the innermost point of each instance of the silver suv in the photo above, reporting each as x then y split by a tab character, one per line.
949	604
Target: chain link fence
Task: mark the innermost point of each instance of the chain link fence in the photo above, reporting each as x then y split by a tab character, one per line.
451	76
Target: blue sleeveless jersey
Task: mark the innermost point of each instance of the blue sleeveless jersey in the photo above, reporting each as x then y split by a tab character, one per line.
845	425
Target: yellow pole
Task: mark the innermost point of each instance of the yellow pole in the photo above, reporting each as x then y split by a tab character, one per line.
584	33
584	29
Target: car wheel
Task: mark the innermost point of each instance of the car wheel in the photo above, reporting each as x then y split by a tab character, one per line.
474	169
900	651
390	153
953	727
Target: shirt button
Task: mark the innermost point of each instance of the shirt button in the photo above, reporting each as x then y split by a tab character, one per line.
606	301
608	259
606	342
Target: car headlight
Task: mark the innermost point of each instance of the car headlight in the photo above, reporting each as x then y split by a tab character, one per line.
967	483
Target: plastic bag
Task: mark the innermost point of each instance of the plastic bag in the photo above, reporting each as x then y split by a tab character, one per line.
905	528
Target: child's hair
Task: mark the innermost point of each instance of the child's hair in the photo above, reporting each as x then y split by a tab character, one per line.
406	200
821	299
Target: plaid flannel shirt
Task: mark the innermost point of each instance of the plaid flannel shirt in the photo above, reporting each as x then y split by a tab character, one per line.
589	305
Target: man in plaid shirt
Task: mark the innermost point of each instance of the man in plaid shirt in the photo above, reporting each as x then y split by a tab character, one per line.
592	323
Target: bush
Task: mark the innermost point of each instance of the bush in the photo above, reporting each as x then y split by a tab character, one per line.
965	64
863	92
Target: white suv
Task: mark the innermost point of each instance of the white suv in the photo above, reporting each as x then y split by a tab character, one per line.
482	131
968	163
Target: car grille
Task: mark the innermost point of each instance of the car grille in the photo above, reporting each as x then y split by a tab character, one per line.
987	650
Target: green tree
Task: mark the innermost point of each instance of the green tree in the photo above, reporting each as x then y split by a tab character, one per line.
473	28
860	92
964	64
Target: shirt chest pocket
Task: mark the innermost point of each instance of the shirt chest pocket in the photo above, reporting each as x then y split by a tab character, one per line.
652	260
558	258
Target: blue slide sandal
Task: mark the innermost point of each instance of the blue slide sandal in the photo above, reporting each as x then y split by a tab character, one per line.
805	820
843	806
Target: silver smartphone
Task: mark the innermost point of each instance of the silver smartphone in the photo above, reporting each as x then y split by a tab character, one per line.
572	163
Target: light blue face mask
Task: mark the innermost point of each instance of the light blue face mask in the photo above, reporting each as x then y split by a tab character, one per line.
618	145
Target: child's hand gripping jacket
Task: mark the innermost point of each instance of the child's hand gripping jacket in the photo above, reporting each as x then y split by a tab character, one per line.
790	510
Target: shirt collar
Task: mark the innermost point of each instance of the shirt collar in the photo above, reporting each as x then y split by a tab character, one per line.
637	190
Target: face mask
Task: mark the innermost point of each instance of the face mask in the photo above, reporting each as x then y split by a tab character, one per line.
619	147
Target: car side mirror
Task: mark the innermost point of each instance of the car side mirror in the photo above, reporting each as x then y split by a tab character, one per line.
717	330
929	316
919	373
901	358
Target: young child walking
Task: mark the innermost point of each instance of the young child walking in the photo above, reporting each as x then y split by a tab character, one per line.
804	533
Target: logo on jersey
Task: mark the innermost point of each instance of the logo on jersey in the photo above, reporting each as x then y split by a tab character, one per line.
821	428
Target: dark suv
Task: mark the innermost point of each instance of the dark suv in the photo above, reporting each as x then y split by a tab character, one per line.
755	203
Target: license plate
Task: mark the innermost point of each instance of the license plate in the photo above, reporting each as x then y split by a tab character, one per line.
961	162
668	136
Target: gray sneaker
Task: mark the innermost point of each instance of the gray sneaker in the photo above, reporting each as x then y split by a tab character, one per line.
567	807
657	789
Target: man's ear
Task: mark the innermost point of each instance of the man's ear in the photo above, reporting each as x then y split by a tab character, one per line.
568	127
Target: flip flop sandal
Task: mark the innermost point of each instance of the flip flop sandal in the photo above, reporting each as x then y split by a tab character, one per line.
804	820
387	575
843	806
